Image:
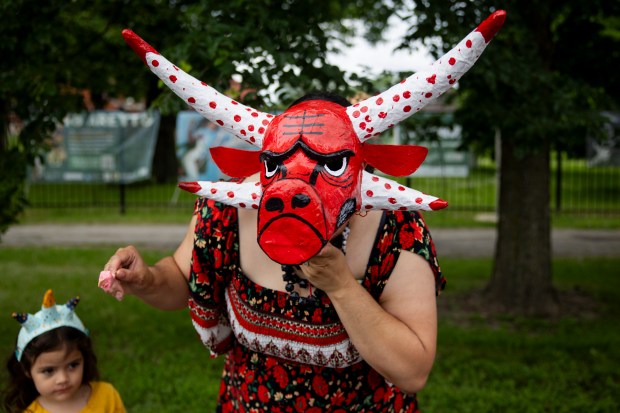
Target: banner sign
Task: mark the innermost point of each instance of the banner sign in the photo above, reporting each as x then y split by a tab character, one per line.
195	135
101	146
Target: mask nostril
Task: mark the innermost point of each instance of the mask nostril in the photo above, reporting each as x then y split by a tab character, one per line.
300	201
274	204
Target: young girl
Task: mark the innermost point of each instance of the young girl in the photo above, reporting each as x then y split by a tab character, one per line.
54	368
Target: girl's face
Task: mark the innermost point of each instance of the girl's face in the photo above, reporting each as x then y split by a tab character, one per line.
57	374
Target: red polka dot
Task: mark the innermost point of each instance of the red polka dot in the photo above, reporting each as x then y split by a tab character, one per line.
364	109
368	118
387	186
172	78
392	201
254	206
396	98
368	207
213	190
234	102
431	79
407	94
254	195
380	101
213	105
252	139
401	188
428	95
265	122
251	128
382	115
452	81
254	114
241	204
369	193
243	132
356	114
261	130
219	122
155	63
175	68
231	194
362	125
407	108
375	179
203	83
418	200
452	61
468	44
191	100
237	118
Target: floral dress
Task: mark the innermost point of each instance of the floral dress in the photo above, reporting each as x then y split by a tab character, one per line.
283	355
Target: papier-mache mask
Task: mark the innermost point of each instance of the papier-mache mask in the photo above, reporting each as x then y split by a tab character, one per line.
312	156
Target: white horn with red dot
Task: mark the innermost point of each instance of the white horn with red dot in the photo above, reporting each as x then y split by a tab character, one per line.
243	121
386	194
379	113
240	195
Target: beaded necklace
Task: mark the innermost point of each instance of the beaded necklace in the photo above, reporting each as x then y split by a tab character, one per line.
289	276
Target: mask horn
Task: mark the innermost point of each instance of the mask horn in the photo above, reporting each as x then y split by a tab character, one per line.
379	113
244	122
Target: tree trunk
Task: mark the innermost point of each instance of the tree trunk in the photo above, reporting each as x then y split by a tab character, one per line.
521	282
165	166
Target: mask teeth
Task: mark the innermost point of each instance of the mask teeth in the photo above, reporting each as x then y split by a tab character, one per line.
72	303
20	317
48	299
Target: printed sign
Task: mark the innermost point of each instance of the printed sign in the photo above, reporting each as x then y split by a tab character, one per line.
101	146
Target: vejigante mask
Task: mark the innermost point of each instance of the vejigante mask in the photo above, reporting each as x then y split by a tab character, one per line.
312	156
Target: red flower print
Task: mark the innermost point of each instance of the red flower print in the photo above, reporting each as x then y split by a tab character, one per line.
263	394
217	258
337	399
301	404
406	240
320	386
281	377
387	263
419	234
317	316
378	395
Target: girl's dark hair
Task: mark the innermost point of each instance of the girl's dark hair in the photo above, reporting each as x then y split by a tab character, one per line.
21	390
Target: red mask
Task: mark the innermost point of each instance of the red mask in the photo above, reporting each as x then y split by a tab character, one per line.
312	156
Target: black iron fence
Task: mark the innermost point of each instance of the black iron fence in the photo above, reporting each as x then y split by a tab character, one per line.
576	187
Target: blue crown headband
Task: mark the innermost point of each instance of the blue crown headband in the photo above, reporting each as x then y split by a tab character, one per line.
50	317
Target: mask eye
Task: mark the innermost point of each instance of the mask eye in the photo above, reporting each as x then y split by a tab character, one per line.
337	166
271	168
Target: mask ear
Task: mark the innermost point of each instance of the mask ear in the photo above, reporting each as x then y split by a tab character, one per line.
395	160
235	162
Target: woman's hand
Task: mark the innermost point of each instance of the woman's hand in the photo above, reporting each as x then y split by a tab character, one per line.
131	272
328	270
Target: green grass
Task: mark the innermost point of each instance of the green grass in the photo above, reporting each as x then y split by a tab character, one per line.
512	365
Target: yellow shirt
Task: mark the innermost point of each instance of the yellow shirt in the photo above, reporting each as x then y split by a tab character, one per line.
103	399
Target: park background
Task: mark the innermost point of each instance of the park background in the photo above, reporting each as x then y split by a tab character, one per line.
487	360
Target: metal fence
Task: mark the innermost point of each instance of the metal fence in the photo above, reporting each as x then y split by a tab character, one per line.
575	188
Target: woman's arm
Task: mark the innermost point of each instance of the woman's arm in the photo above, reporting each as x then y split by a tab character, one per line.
396	336
163	285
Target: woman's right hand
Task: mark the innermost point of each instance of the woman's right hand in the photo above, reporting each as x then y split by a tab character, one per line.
130	270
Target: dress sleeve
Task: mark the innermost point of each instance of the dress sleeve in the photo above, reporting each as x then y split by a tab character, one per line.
400	231
211	269
414	236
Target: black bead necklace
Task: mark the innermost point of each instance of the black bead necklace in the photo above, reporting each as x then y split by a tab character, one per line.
291	278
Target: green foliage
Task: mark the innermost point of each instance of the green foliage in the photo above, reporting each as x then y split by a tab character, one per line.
158	364
546	76
11	187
